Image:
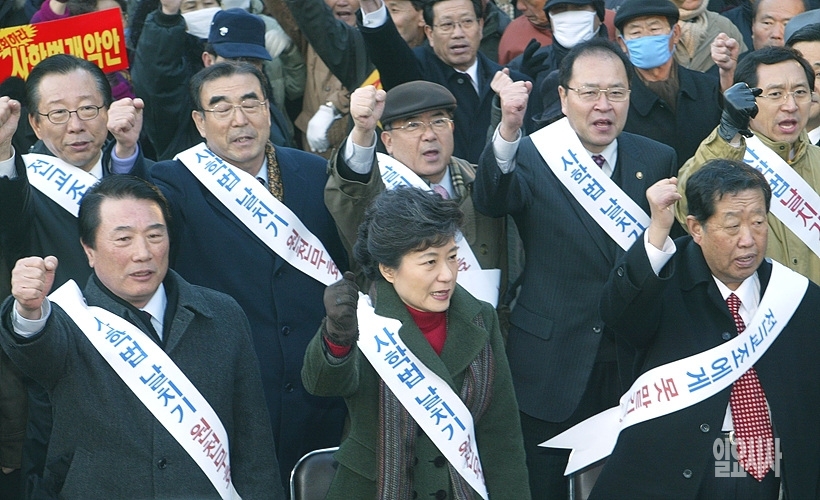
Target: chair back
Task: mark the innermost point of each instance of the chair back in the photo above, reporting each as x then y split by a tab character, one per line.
582	481
312	475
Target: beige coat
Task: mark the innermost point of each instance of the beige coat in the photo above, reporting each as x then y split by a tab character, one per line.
784	246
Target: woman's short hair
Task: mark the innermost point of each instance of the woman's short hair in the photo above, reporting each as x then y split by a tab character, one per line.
400	221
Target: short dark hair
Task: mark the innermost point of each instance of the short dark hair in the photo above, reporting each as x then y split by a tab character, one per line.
429	18
117	187
63	64
595	45
222	70
400	221
808	33
747	67
717	178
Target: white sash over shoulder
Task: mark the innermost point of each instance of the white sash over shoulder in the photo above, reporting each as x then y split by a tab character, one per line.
432	403
268	218
617	214
686	382
62	183
158	383
794	202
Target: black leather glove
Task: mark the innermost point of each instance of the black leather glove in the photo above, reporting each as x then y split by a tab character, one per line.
739	107
341	325
532	61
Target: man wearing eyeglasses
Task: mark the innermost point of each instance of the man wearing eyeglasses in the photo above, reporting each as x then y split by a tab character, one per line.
249	220
418	134
563	362
451	59
70	109
763	123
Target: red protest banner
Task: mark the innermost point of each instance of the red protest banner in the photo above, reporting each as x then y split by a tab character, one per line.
97	37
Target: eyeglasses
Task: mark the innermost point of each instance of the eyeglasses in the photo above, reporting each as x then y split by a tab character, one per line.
418	128
61	116
223	110
449	26
590	94
800	96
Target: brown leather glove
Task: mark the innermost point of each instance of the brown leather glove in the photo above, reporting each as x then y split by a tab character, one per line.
341	325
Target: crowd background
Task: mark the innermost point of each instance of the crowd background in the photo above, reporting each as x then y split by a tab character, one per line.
324	62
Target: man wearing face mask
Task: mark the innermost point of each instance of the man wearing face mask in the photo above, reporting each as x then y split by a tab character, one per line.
572	22
669	103
534	23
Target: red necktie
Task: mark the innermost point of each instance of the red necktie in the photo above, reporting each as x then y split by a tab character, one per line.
599	160
750	416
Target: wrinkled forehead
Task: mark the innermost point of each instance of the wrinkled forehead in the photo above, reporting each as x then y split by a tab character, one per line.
233	88
453	9
647	22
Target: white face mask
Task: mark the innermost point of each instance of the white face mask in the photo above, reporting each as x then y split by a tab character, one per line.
572	27
199	21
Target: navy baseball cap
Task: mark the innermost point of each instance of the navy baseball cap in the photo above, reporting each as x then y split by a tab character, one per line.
236	33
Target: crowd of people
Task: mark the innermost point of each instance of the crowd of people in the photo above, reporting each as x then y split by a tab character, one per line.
432	233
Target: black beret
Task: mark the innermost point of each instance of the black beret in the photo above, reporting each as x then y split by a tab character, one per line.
416	97
600	5
631	9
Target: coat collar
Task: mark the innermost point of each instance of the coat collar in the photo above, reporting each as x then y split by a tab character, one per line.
782	149
188	299
699	274
464	341
643	100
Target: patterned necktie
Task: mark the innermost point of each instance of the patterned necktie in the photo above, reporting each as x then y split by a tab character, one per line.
599	160
438	188
750	416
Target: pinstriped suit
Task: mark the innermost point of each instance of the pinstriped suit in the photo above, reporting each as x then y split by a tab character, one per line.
556	327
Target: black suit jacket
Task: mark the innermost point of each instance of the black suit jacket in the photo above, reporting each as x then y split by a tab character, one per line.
211	248
33	224
682	313
556	329
696	114
397	64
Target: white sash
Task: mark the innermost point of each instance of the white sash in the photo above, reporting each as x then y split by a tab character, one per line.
483	284
686	382
256	208
617	214
431	402
794	202
158	383
64	184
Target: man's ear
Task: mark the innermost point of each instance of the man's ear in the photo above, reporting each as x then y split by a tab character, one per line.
695	228
89	254
387	140
199	121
